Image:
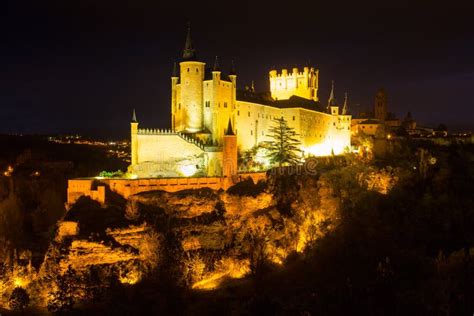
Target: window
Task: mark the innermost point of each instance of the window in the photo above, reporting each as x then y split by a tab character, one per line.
251	132
188	69
225	104
197	70
208	104
249	114
294	117
179	106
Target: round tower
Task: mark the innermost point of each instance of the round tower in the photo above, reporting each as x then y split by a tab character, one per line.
192	76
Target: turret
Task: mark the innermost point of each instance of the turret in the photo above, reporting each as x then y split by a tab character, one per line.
216	70
345	107
332	103
233	79
174	82
191	78
133	139
230	152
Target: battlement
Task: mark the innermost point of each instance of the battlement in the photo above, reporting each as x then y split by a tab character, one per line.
294	72
285	84
184	136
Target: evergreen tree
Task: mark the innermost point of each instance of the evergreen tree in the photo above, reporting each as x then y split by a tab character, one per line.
284	148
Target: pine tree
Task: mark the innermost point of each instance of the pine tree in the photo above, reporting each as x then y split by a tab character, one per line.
284	148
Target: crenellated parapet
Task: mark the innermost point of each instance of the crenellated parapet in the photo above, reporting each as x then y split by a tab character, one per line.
163	132
285	84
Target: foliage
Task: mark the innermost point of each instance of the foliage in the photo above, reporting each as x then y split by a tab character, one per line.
284	148
62	296
111	174
19	299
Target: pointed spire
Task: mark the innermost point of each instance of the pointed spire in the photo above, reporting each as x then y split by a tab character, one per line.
175	71
229	130
232	68
216	65
134	117
345	108
332	99
189	53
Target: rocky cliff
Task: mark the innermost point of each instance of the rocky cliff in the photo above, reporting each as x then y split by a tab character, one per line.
201	238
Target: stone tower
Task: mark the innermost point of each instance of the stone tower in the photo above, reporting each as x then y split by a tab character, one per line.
229	163
303	84
134	140
189	111
380	108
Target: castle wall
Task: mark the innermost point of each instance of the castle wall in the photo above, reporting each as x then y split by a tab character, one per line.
128	187
84	187
321	134
166	155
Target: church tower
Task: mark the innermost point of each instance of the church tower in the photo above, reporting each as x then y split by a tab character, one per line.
189	107
380	110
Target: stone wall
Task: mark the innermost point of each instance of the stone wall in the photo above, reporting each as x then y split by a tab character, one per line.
128	187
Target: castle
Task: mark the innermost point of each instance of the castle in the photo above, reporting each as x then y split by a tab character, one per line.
211	120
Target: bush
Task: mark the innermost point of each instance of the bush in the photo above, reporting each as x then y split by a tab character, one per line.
19	299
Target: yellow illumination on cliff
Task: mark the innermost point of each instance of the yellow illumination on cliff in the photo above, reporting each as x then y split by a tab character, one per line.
18	282
130	278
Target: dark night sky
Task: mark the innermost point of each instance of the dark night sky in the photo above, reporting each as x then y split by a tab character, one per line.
78	66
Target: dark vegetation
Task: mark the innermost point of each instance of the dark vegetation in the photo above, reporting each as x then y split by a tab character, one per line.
32	197
404	253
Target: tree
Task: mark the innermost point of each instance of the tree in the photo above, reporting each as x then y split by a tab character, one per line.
62	297
284	148
19	299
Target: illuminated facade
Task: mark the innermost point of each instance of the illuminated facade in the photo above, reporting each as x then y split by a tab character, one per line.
211	120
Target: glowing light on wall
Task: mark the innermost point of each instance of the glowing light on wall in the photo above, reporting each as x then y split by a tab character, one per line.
188	170
336	147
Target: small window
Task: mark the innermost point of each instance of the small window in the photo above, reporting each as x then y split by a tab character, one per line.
251	132
179	106
294	118
197	70
238	113
225	104
249	114
188	69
